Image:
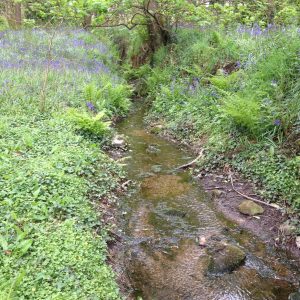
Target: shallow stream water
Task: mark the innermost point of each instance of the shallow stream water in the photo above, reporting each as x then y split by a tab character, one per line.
165	218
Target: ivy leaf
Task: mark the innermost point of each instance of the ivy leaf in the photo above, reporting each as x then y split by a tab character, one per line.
3	243
36	193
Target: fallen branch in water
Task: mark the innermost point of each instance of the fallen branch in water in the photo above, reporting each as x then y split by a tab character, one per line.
250	198
192	162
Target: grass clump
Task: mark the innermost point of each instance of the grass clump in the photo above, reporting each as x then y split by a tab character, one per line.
52	170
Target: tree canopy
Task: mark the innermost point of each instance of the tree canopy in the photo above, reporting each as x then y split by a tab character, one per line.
165	14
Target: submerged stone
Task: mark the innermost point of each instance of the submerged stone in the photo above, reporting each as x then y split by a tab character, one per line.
225	258
156	168
250	208
164	186
156	129
152	149
118	141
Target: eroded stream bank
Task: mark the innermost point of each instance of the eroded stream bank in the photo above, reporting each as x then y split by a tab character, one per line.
167	219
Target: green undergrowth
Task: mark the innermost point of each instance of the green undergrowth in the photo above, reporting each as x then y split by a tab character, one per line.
53	173
236	94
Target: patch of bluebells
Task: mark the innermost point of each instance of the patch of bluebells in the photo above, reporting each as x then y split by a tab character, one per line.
256	30
100	47
71	52
194	85
185	87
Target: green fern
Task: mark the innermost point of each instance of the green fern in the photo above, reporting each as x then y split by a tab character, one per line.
89	124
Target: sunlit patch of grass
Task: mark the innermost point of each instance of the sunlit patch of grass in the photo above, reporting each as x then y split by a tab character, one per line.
52	244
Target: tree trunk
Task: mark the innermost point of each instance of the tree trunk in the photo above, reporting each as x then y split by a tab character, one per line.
13	13
87	21
158	34
165	36
18	15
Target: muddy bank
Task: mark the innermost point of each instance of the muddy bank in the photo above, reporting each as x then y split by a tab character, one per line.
270	226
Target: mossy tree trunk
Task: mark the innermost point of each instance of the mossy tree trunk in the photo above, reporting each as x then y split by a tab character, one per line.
87	21
14	13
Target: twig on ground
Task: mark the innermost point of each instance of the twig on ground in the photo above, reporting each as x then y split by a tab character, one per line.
192	162
125	184
247	197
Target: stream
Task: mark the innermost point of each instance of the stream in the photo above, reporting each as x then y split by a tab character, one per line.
176	245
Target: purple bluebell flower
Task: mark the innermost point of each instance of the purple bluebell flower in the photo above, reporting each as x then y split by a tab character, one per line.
55	64
240	29
194	85
90	106
277	122
78	43
256	30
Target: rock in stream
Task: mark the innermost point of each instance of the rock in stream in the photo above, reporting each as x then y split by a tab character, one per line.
250	208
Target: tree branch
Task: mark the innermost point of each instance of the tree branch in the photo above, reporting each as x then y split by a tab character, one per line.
118	25
247	197
192	162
